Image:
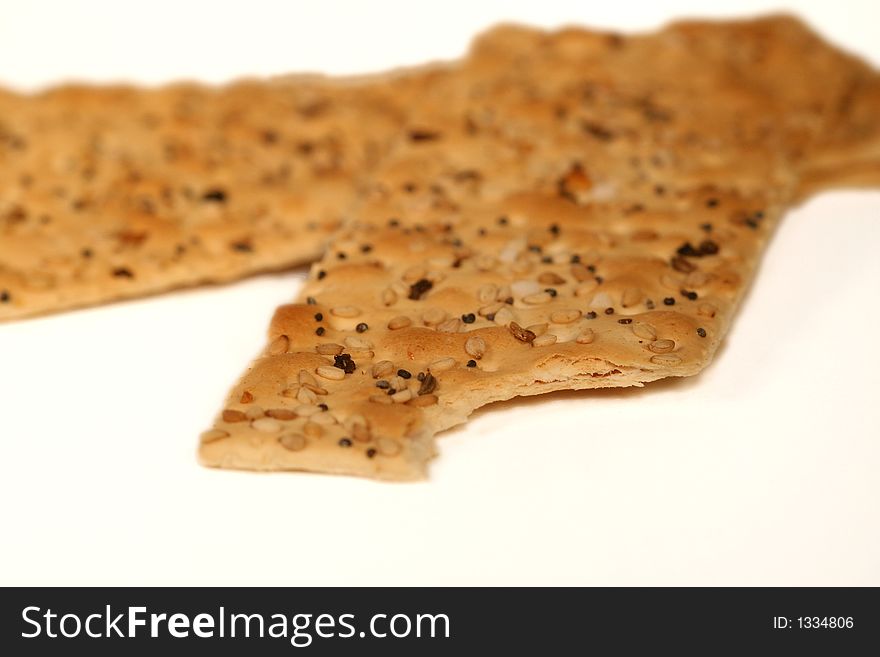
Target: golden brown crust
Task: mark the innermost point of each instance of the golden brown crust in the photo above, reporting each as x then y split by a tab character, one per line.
589	216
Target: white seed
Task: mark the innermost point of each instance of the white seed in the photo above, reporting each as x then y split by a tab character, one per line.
490	309
538	329
631	296
670	281
400	288
306	396
504	316
403	396
318	390
213	435
666	359
524	288
441	365
487	293
602	300
306	411
354	342
537	299
382	368
662	346
267	425
586	336
380	399
329	349
550	278
585	289
433	316
544	340
485	262
414	273
399	322
279	346
450	325
521	266
305	376
346	311
565	316
313	430
325	419
254	412
435	276
330	372
697	279
475	346
644	331
388	446
423	400
292	441
389	297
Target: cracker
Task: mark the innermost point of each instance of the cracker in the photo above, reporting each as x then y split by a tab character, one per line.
116	192
591	219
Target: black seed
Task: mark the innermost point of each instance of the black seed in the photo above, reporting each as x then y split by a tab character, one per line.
535	248
383	384
659	190
470	318
491	317
758	215
599	279
214	195
575	259
319	330
626	320
371	453
86	253
669	301
345	363
123	272
481	232
712	203
5	296
360	328
701	332
420	376
321	274
502	221
429	385
547	260
554	228
404	374
649	304
590	315
366	248
509	301
689	294
550	291
423	135
341	256
472	363
708	247
687	249
311	301
706	227
344	442
319	317
394	223
420	288
609	311
324	407
242	246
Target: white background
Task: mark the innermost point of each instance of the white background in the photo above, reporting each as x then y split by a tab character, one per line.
763	470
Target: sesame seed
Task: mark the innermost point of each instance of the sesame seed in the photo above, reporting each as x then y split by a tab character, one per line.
279	345
441	365
292	441
382	368
281	414
564	316
267	425
701	332
666	359
539	298
544	340
450	325
399	322
232	415
246	397
346	311
662	346
389	296
403	396
644	331
329	349
330	372
669	301
707	310
631	296
472	363
550	278
586	336
475	346
358	344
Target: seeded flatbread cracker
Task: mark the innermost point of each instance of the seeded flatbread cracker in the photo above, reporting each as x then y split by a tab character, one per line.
591	219
116	192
